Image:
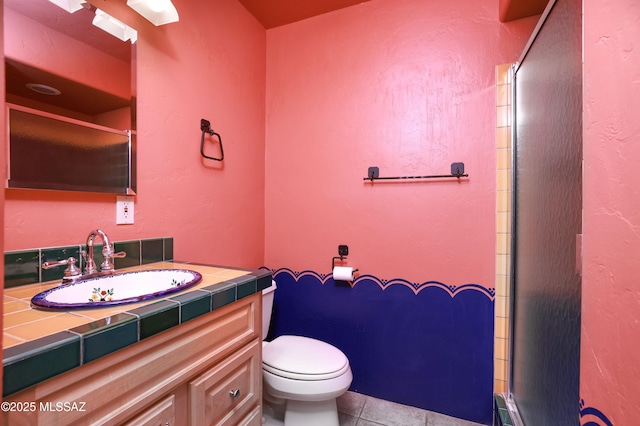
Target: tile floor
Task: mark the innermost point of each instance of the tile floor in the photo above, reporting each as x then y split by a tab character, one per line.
355	409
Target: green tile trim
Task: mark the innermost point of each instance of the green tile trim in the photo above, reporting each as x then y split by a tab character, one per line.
264	279
157	317
168	248
104	324
193	304
247	288
107	335
222	294
21	268
38	360
152	251
132	248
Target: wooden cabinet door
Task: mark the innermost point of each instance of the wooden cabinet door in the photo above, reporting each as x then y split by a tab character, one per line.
226	393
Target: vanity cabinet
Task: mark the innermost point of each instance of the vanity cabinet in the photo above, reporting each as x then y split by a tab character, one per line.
206	371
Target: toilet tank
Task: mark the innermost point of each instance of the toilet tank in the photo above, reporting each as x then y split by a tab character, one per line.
267	307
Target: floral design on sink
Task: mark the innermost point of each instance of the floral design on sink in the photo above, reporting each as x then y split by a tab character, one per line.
117	289
98	295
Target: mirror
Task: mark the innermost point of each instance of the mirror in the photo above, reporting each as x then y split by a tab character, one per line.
65	75
89	157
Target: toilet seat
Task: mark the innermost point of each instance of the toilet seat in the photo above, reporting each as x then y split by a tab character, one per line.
303	358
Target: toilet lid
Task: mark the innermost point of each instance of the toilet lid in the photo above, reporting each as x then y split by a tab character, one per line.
295	356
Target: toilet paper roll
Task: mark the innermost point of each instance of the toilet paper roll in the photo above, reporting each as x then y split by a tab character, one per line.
342	273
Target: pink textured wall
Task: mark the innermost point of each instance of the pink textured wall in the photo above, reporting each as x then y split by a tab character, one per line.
209	65
54	52
610	370
407	86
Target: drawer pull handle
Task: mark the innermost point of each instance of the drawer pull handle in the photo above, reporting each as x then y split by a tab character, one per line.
234	393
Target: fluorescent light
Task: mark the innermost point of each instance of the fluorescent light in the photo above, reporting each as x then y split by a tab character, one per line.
158	5
158	12
69	5
114	27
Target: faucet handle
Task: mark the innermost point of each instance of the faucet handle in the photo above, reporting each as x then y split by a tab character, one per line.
107	264
69	273
120	254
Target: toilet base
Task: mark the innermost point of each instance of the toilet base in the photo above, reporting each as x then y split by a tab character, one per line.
311	413
273	410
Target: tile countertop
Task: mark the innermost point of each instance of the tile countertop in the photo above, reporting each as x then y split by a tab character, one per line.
39	344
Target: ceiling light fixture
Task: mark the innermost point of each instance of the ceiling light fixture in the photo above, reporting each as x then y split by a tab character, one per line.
43	89
114	27
158	12
69	5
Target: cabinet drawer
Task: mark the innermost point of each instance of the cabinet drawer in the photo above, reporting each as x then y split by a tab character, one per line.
160	413
227	392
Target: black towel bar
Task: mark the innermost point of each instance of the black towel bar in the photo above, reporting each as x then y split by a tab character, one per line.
457	171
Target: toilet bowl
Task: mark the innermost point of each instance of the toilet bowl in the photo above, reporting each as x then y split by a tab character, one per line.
302	374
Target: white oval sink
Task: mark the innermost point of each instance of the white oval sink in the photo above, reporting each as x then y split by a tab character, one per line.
117	289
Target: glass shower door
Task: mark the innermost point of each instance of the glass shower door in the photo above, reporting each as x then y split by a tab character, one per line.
545	358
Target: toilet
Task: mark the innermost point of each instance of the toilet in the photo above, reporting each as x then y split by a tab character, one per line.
301	377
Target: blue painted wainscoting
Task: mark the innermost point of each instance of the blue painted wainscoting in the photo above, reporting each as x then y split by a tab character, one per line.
427	345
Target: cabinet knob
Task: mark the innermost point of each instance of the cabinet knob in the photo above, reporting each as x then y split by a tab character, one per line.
234	393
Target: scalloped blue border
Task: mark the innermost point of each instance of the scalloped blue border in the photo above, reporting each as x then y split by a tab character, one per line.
452	290
592	416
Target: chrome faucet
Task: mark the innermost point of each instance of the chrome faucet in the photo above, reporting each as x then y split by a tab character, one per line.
73	273
107	252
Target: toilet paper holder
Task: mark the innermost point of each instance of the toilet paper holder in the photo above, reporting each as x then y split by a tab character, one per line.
343	252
